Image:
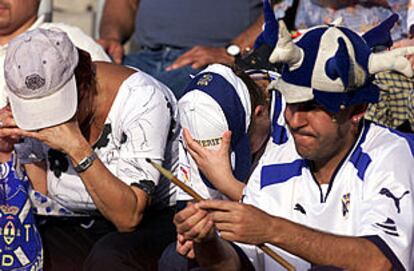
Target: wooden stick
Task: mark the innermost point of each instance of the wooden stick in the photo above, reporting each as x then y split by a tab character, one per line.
168	174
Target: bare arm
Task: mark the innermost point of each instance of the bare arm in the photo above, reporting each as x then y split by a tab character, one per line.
37	176
117	26
239	222
124	205
120	203
118	19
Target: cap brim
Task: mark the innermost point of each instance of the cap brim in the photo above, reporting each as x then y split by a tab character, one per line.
294	93
35	114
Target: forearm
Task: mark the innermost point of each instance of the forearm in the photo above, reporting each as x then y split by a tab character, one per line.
231	187
216	254
246	38
350	253
37	176
118	19
117	201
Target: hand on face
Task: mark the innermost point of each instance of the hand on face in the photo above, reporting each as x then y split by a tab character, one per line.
215	164
7	130
64	137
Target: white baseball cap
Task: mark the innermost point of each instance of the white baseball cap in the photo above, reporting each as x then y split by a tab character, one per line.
39	72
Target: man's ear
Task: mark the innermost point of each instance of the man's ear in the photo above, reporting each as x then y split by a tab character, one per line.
358	112
260	110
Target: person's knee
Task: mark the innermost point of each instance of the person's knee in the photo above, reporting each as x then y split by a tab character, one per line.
172	261
103	255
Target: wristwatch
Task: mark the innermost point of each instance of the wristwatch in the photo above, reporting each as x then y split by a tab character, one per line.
233	50
85	163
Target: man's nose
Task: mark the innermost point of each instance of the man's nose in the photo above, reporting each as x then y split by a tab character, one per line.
295	117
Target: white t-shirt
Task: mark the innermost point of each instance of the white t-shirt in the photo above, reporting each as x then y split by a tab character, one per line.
76	35
370	195
142	123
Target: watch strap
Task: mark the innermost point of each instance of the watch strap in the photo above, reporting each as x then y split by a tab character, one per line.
86	162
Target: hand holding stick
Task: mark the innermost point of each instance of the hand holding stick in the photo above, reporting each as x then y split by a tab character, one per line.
168	174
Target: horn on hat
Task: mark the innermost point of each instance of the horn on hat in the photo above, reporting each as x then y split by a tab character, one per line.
337	21
381	34
286	50
393	60
271	30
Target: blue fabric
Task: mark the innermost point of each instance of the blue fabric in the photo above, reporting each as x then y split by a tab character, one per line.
186	23
362	51
332	101
271	31
226	96
339	66
279	133
155	62
280	173
302	76
360	159
18	228
381	35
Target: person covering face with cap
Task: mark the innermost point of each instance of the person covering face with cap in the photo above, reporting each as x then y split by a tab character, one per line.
88	128
218	100
338	193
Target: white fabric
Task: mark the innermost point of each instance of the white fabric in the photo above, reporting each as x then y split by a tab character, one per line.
47	80
390	170
76	35
206	121
140	121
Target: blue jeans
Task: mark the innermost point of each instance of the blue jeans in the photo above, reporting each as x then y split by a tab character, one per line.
154	63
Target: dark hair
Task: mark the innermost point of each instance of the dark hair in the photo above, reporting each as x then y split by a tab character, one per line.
257	94
85	75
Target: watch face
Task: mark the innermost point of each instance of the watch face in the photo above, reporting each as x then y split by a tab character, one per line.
233	49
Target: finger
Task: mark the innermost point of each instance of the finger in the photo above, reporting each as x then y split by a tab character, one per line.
4	132
104	43
117	53
185	59
226	142
190	224
184	248
184	214
197	231
221	216
221	205
205	231
179	63
224	227
191	254
192	145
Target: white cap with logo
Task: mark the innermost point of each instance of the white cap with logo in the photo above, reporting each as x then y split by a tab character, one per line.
39	72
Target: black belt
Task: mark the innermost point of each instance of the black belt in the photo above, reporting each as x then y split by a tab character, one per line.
160	48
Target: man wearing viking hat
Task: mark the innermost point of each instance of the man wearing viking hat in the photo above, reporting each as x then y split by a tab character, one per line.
338	193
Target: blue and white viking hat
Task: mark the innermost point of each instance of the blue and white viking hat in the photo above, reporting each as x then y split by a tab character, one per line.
334	65
217	100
